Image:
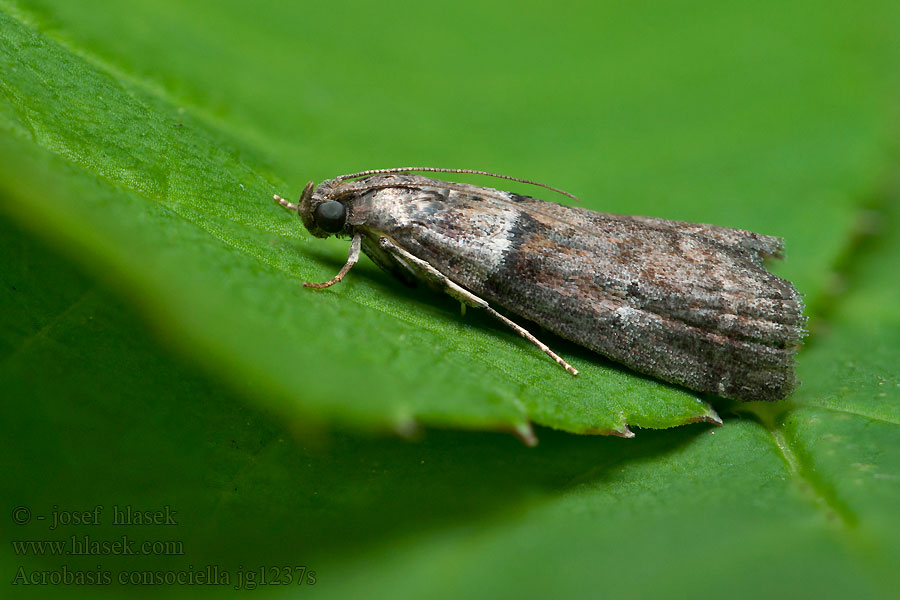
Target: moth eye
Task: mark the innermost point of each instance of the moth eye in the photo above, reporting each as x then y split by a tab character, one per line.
330	216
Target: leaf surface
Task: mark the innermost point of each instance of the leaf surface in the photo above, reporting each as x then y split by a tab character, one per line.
140	145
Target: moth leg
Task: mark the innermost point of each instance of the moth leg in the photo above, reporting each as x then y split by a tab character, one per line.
527	335
454	290
351	260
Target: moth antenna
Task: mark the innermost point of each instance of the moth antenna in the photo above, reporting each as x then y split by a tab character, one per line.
469	171
284	203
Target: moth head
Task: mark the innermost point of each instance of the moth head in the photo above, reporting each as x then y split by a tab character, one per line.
321	214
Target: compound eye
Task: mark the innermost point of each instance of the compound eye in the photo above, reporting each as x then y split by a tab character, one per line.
330	216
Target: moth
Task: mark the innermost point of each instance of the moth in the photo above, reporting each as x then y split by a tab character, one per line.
687	303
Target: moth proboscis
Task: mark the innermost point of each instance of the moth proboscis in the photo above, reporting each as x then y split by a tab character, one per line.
688	303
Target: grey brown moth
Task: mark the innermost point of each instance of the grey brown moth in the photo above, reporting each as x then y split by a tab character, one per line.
688	303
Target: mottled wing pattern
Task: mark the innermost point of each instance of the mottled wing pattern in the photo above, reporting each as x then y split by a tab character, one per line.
692	304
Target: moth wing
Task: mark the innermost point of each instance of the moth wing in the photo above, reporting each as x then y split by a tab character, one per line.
692	306
763	245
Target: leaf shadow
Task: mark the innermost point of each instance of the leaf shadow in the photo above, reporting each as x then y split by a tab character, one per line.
356	494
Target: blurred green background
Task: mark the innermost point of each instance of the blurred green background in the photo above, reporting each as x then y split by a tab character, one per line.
157	350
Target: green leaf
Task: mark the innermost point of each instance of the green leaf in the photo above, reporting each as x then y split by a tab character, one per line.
175	213
142	143
166	193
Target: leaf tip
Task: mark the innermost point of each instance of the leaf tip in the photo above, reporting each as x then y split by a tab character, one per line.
525	433
710	416
622	432
407	427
